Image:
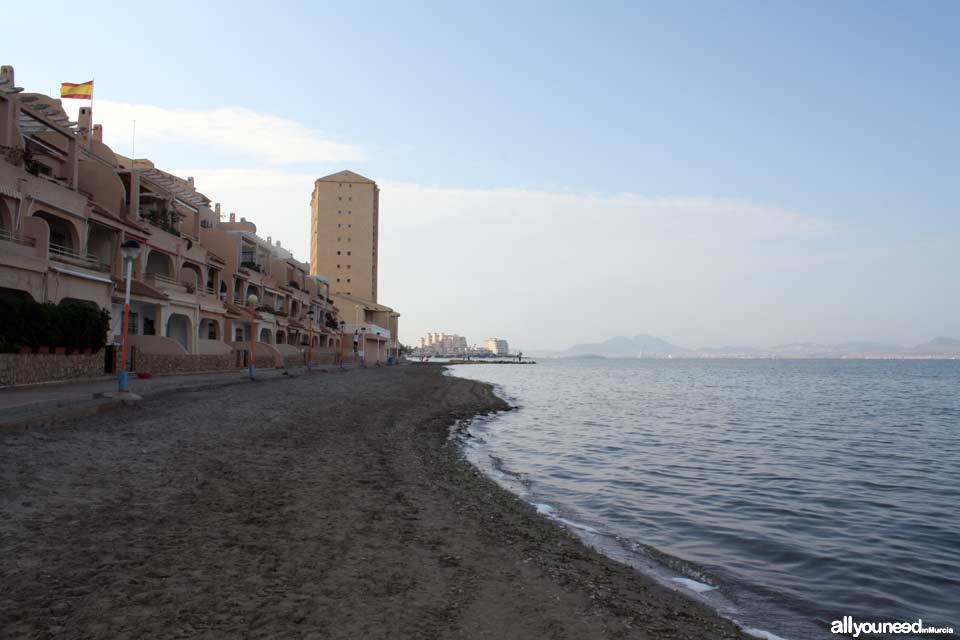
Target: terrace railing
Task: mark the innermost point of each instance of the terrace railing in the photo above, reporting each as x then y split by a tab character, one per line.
66	254
9	236
162	281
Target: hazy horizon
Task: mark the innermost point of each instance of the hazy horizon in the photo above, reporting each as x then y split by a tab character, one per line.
750	174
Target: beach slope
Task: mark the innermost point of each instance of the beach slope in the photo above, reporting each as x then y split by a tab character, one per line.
330	505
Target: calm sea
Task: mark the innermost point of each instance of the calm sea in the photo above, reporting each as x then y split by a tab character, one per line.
785	493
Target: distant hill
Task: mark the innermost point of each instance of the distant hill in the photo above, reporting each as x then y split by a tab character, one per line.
648	346
623	347
938	346
585	356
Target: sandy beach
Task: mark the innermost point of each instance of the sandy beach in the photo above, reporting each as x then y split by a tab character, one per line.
331	505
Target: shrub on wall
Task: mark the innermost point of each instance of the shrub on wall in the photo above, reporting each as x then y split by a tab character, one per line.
25	323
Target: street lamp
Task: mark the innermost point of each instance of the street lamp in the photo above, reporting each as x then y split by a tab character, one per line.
356	335
130	250
309	338
252	301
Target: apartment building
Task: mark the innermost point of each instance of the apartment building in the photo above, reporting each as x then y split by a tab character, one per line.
344	243
373	325
344	221
497	346
440	343
67	203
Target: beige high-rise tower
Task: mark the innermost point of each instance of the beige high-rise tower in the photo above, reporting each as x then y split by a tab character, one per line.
343	233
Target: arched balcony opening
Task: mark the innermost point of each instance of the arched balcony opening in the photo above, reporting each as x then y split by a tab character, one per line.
64	238
178	328
159	263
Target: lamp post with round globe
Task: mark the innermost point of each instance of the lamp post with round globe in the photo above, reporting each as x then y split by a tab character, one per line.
309	339
252	301
130	250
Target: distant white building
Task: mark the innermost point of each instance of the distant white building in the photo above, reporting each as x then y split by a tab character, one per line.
497	346
442	344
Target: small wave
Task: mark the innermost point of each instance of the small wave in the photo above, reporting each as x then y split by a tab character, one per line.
693	585
760	633
577	525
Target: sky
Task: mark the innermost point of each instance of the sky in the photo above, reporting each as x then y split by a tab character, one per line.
553	173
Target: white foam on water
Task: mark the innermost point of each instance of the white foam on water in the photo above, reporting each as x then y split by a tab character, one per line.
577	525
760	633
693	585
545	509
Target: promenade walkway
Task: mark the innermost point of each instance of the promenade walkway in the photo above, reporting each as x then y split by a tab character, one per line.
42	402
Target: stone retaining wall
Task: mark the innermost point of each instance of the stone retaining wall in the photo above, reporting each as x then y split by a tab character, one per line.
158	364
29	368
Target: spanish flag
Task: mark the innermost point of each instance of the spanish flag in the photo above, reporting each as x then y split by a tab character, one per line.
83	91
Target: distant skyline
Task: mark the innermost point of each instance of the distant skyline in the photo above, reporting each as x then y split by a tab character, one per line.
713	174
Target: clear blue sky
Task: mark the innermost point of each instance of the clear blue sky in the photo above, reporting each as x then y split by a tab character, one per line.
845	112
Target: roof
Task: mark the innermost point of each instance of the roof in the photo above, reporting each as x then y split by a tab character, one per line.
346	176
368	304
139	289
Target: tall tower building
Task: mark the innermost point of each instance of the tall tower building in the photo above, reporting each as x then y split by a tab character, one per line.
345	209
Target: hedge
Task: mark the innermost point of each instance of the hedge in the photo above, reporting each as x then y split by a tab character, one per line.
25	323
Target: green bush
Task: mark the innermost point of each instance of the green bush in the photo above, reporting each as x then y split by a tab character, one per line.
25	323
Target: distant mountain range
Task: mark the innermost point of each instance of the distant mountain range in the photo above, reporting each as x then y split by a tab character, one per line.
646	346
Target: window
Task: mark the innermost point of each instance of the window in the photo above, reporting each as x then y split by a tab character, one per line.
338	266
338	238
339	197
338	253
349	226
132	323
348	279
348	266
348	253
338	279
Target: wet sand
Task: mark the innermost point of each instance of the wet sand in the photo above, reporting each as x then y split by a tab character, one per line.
332	505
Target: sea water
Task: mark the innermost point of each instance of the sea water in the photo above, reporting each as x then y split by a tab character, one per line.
787	494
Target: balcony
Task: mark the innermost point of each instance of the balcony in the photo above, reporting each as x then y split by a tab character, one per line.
163	282
370	329
17	238
61	253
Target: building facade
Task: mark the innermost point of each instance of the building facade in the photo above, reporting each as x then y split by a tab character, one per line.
497	346
344	227
442	344
370	326
67	203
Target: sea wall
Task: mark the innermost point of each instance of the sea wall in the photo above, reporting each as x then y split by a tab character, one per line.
30	368
158	364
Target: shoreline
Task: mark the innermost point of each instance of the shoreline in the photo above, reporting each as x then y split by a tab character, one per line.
335	504
655	565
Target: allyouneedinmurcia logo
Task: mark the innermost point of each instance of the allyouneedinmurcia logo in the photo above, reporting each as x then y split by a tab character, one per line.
849	627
